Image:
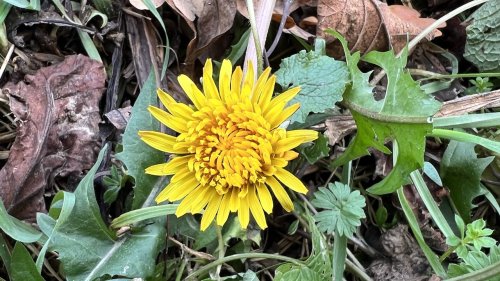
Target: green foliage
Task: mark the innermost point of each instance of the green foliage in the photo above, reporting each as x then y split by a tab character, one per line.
476	260
313	152
475	237
461	172
114	182
381	215
483	38
17	229
22	266
343	209
402	116
317	267
137	155
480	85
322	80
86	247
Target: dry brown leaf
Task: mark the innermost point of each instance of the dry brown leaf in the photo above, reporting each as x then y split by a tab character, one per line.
213	18
139	4
370	24
339	126
58	133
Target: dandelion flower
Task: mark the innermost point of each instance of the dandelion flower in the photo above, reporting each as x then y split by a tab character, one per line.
230	153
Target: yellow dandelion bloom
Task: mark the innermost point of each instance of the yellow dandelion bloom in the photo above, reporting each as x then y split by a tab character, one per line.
230	154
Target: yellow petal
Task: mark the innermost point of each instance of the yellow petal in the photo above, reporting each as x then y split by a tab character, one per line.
234	201
200	201
236	82
224	81
265	198
278	119
169	168
160	141
177	109
187	203
280	193
290	180
267	93
294	139
247	86
172	122
192	91
209	87
282	98
243	213
259	86
174	192
256	209
210	212
223	213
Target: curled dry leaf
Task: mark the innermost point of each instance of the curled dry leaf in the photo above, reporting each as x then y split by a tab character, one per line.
370	24
213	18
57	137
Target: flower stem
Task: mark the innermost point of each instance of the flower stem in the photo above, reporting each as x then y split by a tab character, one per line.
221	246
215	263
258	47
339	256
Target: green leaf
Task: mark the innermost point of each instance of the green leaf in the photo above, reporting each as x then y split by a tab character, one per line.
461	172
137	155
343	209
22	265
5	254
401	117
476	260
483	38
316	151
138	215
17	229
318	265
86	247
322	80
381	215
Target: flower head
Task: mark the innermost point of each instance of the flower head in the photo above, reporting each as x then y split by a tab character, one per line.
230	153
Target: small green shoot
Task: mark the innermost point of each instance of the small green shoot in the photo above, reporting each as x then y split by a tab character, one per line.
474	238
114	182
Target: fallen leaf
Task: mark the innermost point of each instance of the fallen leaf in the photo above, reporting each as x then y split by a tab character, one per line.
57	137
139	4
370	24
213	18
119	117
339	126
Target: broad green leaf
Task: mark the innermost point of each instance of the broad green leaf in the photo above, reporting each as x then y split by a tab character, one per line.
322	80
483	38
401	117
137	155
22	266
17	229
313	152
318	266
461	172
5	254
88	250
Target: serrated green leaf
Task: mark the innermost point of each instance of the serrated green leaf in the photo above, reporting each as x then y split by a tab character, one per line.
401	116
322	80
22	265
461	172
343	209
136	155
483	38
86	247
319	149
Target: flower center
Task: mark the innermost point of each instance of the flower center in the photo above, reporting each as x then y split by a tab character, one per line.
232	146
